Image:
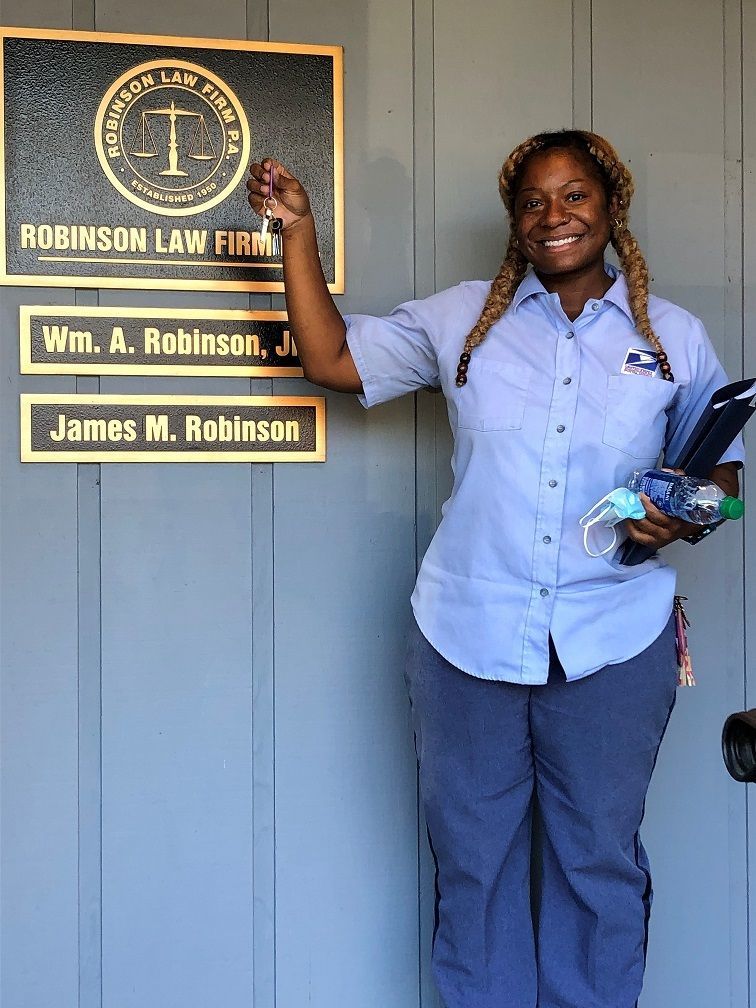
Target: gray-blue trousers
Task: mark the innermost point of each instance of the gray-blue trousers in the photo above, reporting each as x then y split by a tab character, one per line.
585	751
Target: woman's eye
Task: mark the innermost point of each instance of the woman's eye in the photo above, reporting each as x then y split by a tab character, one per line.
575	197
530	204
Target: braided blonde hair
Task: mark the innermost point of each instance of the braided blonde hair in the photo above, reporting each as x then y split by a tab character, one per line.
618	186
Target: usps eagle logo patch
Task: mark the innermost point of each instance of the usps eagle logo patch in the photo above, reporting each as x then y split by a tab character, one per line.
640	362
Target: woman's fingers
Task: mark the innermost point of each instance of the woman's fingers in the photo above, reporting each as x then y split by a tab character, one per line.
291	198
656	529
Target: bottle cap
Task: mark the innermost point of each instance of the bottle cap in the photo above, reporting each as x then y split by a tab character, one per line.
731	507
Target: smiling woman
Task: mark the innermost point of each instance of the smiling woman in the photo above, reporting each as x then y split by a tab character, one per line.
524	647
567	195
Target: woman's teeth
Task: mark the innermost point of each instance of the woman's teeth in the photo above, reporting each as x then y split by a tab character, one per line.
561	241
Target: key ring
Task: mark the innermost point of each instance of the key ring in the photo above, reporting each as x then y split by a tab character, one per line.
270	203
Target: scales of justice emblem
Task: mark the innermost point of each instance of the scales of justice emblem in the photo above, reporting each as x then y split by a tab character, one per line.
172	137
200	148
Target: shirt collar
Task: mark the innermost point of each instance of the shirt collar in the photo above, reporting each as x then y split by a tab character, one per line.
531	286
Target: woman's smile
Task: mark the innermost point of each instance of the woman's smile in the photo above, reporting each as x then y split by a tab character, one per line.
557	243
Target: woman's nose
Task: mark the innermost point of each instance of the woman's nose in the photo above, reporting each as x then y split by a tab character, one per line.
554	214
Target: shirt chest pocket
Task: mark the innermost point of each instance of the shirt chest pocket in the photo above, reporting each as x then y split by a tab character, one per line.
635	419
494	396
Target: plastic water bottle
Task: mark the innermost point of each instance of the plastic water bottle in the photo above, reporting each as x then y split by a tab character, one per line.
696	500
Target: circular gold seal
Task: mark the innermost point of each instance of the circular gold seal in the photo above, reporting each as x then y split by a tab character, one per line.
172	137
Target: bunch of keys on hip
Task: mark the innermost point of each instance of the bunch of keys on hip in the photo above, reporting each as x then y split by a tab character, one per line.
270	221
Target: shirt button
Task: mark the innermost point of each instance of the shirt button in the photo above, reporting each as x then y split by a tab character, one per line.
569	335
547	539
595	306
552	483
544	592
560	429
566	381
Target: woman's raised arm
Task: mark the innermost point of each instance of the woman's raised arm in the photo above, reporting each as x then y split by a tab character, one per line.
317	326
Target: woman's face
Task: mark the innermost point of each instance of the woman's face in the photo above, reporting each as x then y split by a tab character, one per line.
561	215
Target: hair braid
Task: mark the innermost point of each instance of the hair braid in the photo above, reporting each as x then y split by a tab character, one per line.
512	270
623	241
618	186
499	298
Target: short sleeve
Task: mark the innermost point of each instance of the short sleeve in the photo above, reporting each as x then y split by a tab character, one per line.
397	353
707	375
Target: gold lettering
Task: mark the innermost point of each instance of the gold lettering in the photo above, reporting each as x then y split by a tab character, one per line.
192	427
261	247
73	237
60	433
115	430
152	341
94	430
55	337
285	348
79	341
156	427
117	341
176	244
195	241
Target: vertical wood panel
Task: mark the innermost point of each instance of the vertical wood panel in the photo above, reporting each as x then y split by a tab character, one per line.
500	76
178	773
38	732
39	924
344	563
582	64
188	18
660	99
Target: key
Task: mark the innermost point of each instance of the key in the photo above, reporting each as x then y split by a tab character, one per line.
267	218
275	229
269	203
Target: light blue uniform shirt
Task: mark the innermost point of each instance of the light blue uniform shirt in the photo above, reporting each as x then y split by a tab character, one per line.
554	415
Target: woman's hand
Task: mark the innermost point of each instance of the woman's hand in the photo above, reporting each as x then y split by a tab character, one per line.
293	203
657	529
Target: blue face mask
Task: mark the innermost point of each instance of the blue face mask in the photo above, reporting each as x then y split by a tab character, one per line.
615	507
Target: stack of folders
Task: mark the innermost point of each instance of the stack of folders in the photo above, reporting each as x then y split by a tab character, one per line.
728	411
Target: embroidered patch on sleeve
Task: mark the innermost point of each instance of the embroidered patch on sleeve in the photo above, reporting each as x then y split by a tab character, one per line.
640	362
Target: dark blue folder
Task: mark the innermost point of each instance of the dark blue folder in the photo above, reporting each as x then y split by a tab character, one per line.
728	411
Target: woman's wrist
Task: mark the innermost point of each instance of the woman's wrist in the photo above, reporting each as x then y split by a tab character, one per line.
304	223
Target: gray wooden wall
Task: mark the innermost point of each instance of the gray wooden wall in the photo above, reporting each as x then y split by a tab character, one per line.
208	791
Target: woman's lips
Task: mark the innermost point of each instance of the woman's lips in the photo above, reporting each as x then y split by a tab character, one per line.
555	243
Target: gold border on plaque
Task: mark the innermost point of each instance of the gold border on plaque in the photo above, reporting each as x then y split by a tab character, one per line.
147	283
28	399
27	366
